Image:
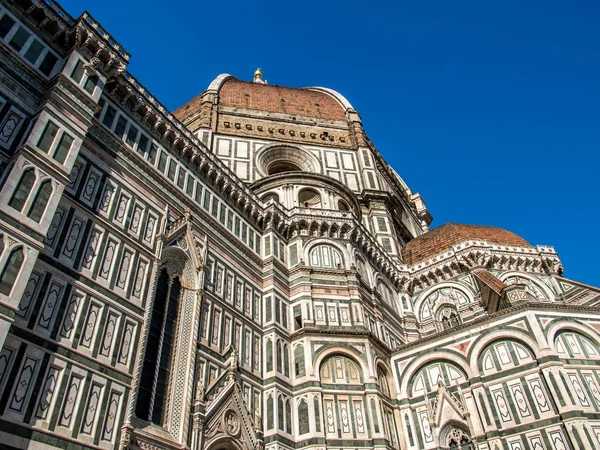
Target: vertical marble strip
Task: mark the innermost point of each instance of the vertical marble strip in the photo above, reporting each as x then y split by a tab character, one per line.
578	390
329	413
92	248
70	401
358	414
425	427
520	401
126	343
89	416
589	379
136	219
91	186
557	439
122	208
72	241
22	385
74	176
112	412
106	197
30	291
498	396
109	255
5	357
73	305
149	232
344	416
90	325
538	394
124	270
109	334
140	276
47	393
50	305
54	227
535	442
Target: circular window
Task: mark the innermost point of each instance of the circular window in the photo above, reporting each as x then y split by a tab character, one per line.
275	159
282	167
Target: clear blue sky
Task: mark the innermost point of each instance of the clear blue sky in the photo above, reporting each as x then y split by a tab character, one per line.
489	109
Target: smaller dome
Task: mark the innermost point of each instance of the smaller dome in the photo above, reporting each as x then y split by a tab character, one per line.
258	73
447	235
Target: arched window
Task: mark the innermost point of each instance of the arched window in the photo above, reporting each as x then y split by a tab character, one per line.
343	206
299	364
38	207
270	415
411	440
159	350
448	318
317	408
286	360
282	167
23	189
374	414
270	196
280	413
309	198
427	378
11	270
387	295
361	268
269	355
572	345
340	369
288	417
279	356
458	440
326	256
382	380
303	423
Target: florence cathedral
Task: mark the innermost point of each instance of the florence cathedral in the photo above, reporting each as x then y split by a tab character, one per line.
247	272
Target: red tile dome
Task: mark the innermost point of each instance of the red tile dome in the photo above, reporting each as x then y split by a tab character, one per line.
445	236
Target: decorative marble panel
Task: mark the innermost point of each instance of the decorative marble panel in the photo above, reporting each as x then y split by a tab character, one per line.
47	392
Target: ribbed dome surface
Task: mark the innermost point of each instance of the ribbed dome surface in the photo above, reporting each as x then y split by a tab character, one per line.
445	236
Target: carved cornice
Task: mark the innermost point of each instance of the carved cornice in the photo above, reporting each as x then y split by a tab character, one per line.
471	254
131	95
495	317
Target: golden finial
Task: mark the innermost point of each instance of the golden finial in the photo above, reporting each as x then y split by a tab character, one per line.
258	74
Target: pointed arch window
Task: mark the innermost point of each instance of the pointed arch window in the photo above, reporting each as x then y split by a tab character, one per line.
317	408
303	422
156	367
269	355
38	207
23	189
286	360
288	417
270	414
280	413
279	356
299	365
11	271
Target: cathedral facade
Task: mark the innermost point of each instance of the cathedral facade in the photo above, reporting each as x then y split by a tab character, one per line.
247	272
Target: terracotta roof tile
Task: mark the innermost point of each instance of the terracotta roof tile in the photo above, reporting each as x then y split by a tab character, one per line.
489	279
271	98
445	236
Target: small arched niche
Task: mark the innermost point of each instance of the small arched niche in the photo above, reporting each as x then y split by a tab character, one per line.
343	206
270	196
282	167
309	198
